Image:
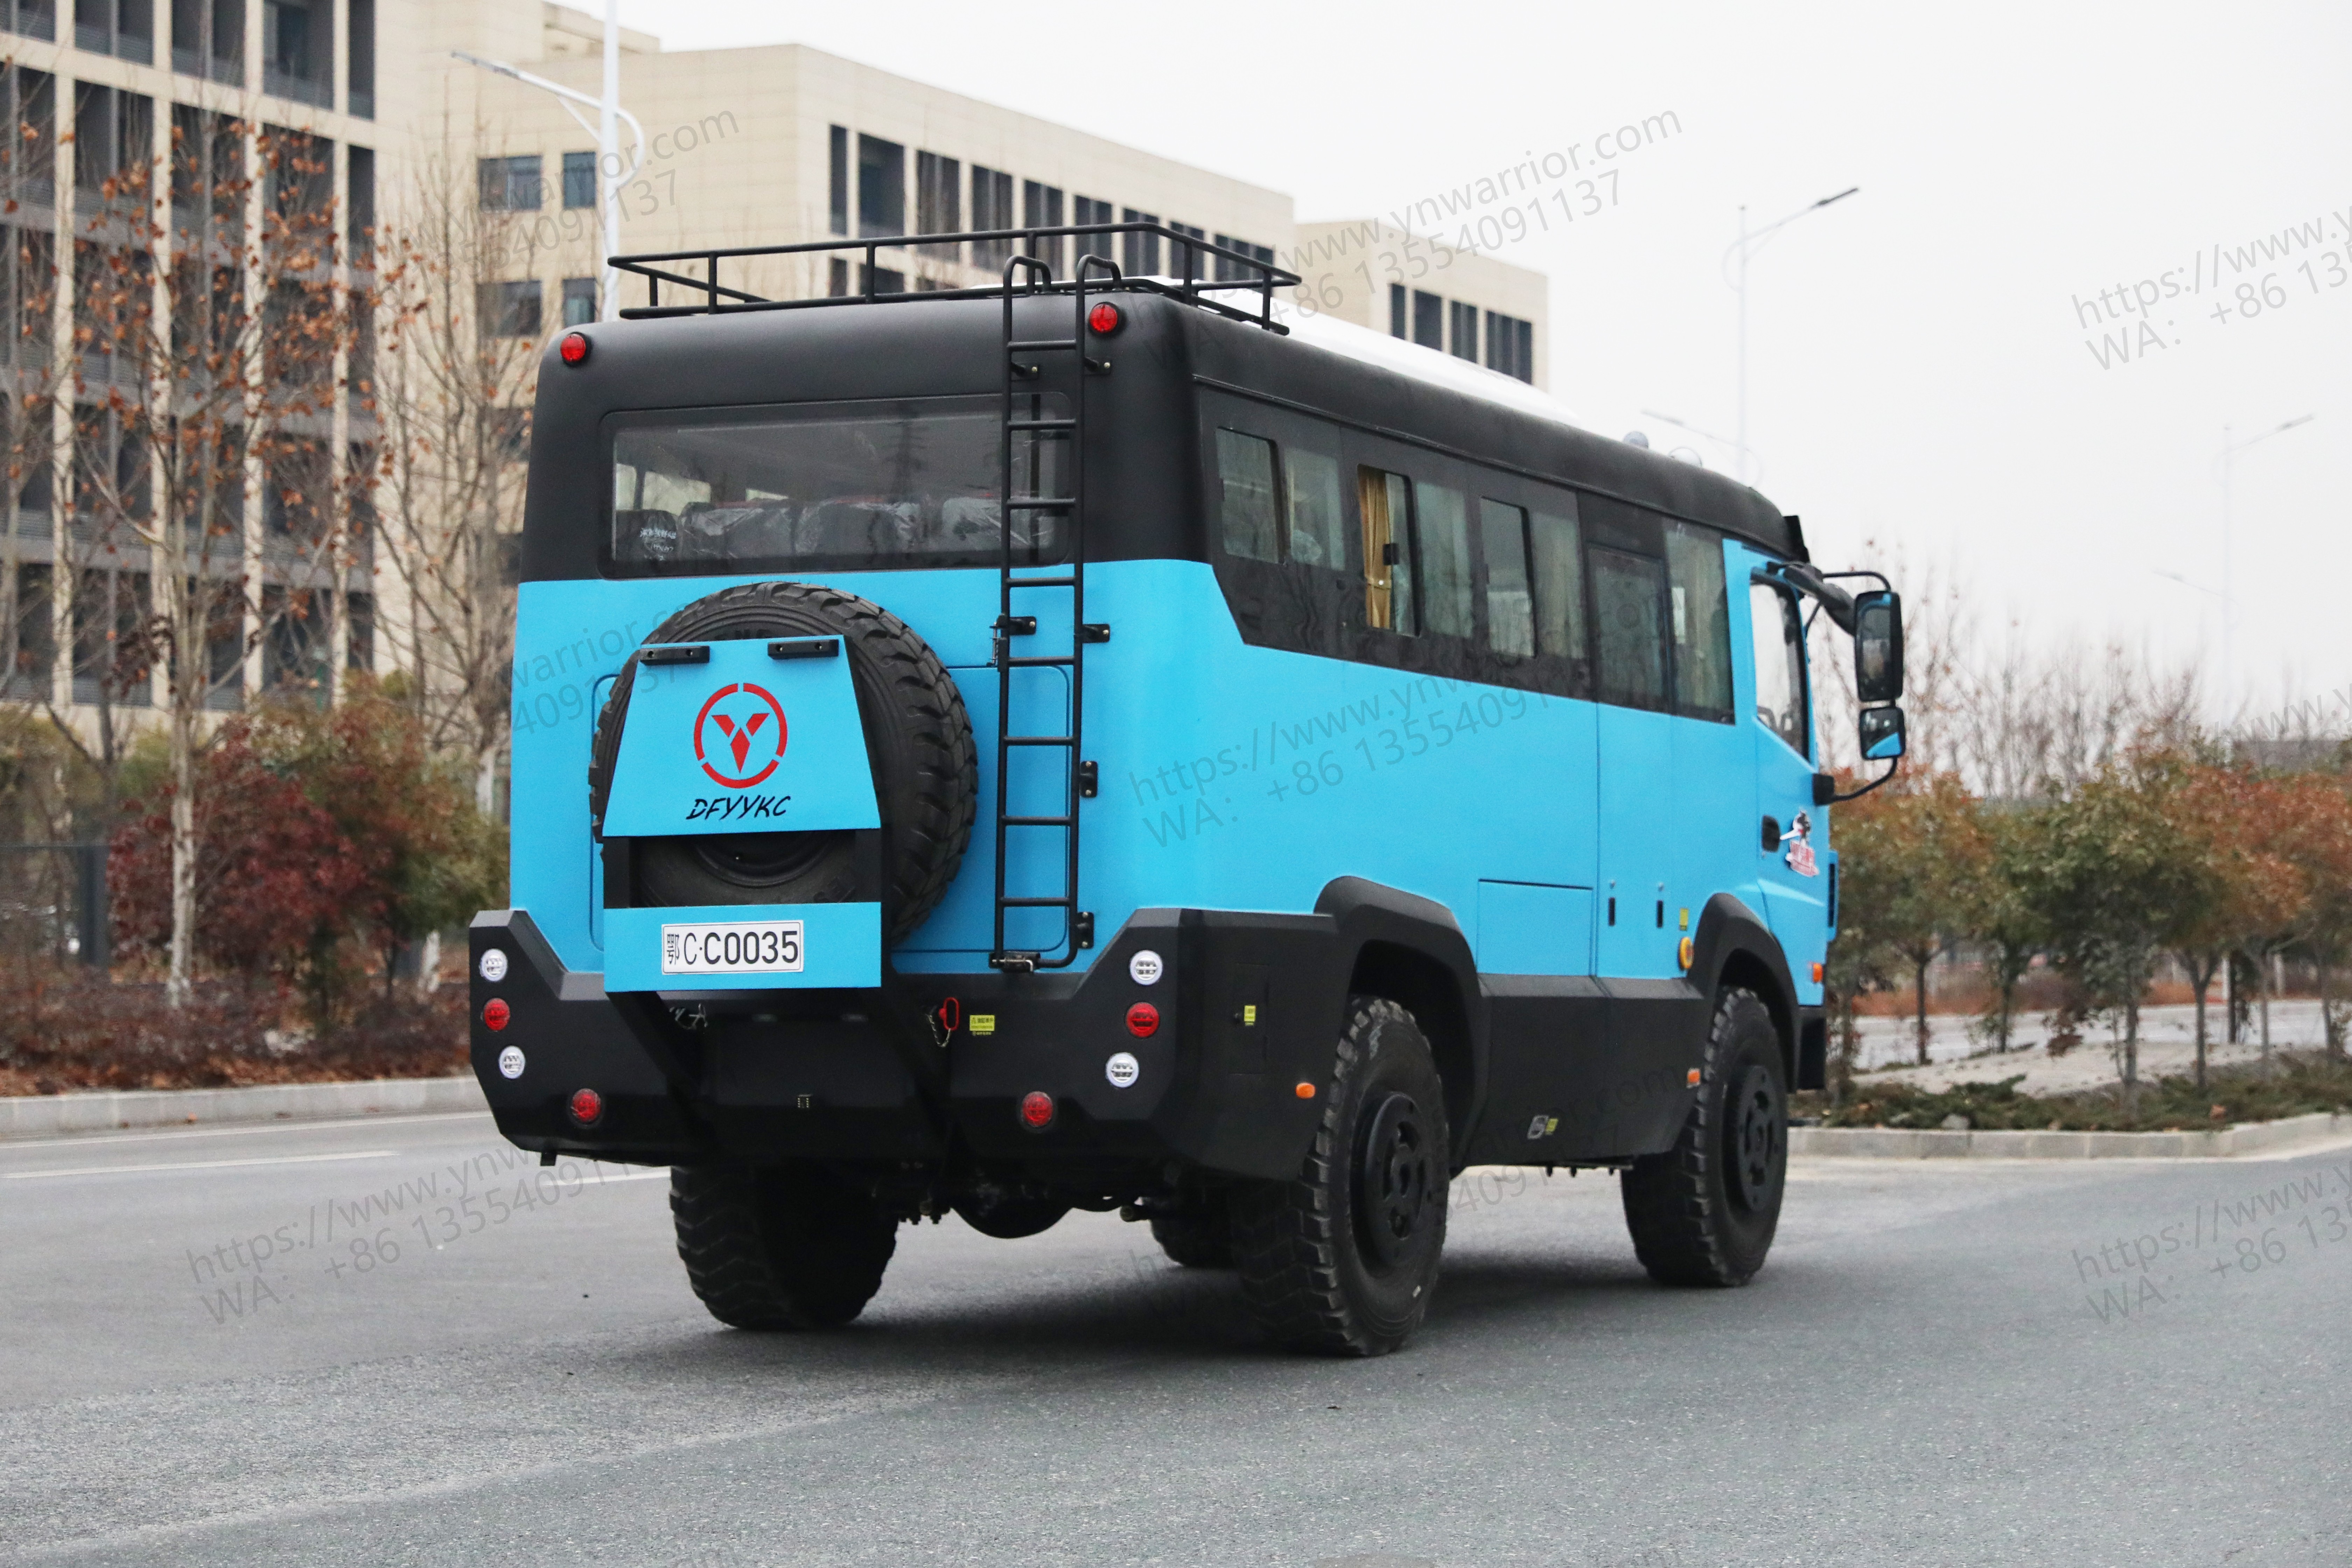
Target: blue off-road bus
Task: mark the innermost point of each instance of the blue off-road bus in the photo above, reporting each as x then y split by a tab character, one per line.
1080	745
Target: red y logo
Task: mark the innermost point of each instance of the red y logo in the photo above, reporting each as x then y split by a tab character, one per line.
738	713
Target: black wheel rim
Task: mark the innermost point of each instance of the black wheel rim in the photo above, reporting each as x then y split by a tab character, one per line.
762	860
1756	1139
1395	1185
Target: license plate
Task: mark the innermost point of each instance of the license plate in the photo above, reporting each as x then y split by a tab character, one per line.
734	947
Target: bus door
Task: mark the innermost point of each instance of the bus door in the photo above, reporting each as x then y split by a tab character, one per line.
1635	816
1790	828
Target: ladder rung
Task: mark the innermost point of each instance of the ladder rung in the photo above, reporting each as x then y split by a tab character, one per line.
1042	582
1039	903
1029	663
1035	821
1042	343
1042	503
1041	423
1039	741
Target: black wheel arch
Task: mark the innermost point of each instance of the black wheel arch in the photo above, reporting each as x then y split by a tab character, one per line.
1733	946
1411	950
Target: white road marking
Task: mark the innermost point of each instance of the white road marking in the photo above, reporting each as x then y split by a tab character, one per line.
196	1166
107	1137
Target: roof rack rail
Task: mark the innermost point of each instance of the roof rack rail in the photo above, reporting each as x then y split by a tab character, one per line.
1245	272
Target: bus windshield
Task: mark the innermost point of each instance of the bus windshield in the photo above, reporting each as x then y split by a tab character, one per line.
838	484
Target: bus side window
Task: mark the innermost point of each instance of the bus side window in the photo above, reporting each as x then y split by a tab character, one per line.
1779	664
1510	614
1702	617
1385	501
1558	584
1441	535
1319	520
1628	610
1246	469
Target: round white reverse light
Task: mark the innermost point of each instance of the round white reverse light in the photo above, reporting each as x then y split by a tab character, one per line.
510	1061
1145	968
1122	1070
494	965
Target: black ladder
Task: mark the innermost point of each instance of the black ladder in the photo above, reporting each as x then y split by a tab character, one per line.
1028	421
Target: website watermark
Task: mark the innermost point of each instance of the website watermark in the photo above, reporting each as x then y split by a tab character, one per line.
2132	321
2222	1241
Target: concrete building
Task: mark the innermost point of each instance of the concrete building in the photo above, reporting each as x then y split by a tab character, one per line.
743	146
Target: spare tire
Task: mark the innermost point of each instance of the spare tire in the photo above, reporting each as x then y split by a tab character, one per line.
918	737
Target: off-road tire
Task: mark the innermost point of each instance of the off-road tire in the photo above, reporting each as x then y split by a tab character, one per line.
790	1246
918	735
1703	1212
1199	1235
1311	1272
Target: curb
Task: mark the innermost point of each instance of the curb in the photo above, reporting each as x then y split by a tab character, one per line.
1931	1143
107	1111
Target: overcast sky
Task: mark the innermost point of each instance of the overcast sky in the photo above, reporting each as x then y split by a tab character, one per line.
1919	374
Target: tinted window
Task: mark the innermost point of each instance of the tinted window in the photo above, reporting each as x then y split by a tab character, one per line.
1630	631
1386	504
1245	478
1702	622
1442	554
1558	582
910	483
1319	517
1779	664
1510	611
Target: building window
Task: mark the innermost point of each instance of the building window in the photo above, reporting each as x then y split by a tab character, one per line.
839	165
208	39
991	208
579	301
1232	271
939	206
113	132
297	44
123	28
1041	207
1429	321
361	63
1182	260
881	187
1511	345
30	644
29	20
361	195
111	651
1398	327
579	180
509	185
511	310
1462	329
1139	253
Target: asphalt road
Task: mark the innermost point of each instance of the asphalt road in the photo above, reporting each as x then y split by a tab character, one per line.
1936	1367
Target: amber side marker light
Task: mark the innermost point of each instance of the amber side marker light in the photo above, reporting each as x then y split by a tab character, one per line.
494	1012
574	348
1305	1091
1817	974
587	1107
1684	952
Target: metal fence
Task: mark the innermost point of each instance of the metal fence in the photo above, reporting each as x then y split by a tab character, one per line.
53	902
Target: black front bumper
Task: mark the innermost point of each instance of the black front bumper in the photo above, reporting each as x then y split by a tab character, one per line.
1248	1012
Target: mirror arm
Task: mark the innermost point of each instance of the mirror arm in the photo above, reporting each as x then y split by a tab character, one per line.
1814	582
1893	766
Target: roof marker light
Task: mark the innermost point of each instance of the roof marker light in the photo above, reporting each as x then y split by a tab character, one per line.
574	348
1105	318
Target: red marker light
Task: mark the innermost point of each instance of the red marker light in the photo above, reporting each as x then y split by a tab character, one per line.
587	1107
1037	1110
1142	1019
1105	319
574	348
494	1012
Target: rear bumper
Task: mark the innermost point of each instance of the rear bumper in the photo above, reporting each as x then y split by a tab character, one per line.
1246	1011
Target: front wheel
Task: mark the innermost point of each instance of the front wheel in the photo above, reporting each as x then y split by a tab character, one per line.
1343	1257
1703	1213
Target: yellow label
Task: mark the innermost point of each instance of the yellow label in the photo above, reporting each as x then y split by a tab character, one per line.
1686	919
1249	1014
983	1022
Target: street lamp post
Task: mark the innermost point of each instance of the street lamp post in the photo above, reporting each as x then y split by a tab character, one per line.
608	151
1749	245
2228	605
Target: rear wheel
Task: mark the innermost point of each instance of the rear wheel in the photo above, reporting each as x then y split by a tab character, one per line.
1703	1213
1343	1257
788	1247
1198	1235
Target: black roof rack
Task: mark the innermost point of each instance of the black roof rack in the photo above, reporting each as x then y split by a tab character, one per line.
1261	278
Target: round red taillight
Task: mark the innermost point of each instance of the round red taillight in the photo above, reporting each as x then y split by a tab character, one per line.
1142	1019
574	348
1037	1110
1105	318
587	1107
494	1012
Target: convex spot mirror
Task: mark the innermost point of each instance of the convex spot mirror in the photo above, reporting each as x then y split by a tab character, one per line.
1882	735
1878	649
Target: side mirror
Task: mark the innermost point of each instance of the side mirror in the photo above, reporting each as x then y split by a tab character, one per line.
1882	732
1878	647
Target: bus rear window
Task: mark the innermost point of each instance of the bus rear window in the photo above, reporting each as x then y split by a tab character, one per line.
836	485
